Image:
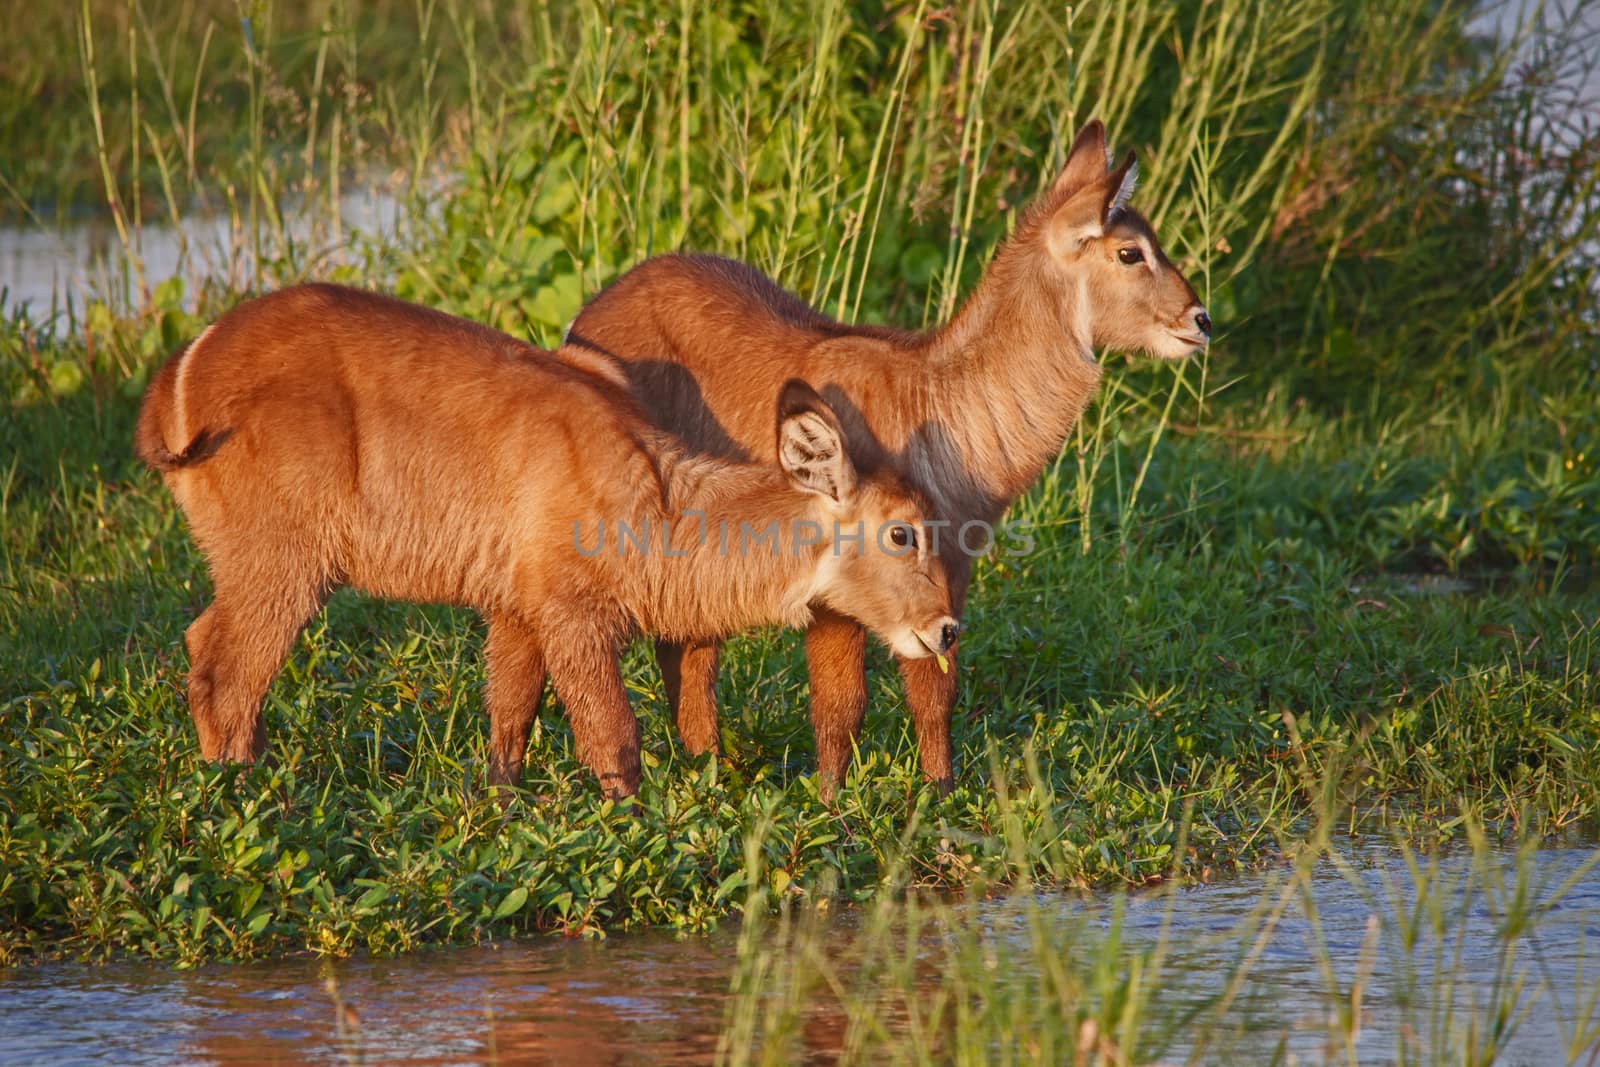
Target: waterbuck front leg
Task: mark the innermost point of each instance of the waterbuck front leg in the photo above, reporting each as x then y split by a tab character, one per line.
931	698
931	690
689	672
514	663
588	680
836	658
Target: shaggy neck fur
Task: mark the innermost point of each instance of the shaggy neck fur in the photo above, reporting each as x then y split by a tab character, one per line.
1015	368
723	552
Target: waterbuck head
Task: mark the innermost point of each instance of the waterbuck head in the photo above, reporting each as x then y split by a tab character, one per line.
876	565
1124	292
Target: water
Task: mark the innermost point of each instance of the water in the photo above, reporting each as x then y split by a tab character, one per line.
653	998
636	999
1285	997
44	269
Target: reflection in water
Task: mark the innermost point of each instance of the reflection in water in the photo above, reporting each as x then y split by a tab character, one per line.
652	998
638	999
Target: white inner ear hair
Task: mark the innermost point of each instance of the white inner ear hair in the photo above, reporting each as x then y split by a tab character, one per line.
809	437
1124	192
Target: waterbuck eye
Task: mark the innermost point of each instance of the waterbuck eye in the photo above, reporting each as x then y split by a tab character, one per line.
1130	255
902	536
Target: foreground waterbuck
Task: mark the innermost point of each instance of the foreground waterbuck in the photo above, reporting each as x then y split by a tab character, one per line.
324	437
970	412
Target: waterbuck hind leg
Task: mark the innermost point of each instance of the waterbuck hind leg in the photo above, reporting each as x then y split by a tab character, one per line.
589	682
931	698
836	658
198	639
236	648
690	675
514	663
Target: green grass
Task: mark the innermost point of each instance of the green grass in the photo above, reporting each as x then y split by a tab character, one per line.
1234	617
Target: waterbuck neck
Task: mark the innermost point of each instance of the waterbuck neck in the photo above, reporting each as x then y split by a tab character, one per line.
735	547
1013	370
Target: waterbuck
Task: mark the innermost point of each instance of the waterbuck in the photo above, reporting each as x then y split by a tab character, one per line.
970	412
322	437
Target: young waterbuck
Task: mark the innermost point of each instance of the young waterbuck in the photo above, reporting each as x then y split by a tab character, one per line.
970	412
324	437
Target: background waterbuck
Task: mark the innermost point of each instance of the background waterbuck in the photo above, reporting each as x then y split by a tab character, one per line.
970	412
323	437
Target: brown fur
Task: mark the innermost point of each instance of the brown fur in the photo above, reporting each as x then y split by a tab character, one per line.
323	437
970	412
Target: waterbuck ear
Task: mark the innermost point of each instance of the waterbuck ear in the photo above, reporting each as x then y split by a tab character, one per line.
1119	187
811	444
1082	218
1086	160
1086	213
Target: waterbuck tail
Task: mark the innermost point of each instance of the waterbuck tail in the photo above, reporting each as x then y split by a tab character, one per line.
158	410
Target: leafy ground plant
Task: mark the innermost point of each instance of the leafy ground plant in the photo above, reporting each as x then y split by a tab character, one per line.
1242	636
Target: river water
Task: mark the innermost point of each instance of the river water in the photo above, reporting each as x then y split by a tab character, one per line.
48	270
656	998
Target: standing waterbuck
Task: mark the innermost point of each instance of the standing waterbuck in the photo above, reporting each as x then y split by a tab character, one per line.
969	412
323	437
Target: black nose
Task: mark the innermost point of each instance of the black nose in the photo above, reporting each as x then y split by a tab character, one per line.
1202	320
948	635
